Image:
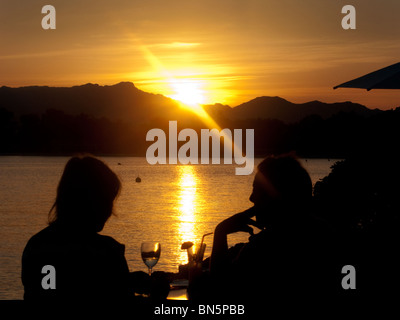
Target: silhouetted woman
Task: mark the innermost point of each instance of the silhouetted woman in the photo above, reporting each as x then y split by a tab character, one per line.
88	266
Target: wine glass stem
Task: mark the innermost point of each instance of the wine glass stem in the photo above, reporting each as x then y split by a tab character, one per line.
150	270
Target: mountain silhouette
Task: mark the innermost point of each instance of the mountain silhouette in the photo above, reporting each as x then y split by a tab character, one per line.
120	101
281	109
114	120
124	101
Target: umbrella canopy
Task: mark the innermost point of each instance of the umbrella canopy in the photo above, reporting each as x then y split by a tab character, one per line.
386	78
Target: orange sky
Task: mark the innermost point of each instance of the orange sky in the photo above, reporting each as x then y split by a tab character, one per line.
229	51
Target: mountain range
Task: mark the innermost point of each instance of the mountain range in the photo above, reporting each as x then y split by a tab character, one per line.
125	101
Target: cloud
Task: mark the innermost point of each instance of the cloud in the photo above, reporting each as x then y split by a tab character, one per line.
174	45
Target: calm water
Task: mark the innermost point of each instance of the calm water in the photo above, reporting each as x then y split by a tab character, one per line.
172	204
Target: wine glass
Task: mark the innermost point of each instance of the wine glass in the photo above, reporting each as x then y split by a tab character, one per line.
151	251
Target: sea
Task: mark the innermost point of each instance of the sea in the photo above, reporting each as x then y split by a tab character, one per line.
171	204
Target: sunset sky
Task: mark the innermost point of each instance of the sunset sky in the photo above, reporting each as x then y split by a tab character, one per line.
226	51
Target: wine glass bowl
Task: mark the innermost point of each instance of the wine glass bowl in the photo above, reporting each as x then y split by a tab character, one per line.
150	251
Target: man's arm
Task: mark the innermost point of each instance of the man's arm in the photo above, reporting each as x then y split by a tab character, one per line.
236	223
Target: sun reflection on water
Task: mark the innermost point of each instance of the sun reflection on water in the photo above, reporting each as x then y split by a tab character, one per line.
188	206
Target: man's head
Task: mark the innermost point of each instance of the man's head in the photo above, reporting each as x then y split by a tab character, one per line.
281	186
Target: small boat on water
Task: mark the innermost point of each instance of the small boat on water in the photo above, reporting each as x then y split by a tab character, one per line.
138	179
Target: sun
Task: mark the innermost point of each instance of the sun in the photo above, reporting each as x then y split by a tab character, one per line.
188	91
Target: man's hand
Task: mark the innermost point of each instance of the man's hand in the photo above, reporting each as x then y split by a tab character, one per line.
239	222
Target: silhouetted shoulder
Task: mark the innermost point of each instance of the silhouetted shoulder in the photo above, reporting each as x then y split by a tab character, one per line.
53	239
88	266
109	243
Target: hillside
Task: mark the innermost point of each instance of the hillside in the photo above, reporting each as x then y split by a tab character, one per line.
120	101
115	120
126	102
278	108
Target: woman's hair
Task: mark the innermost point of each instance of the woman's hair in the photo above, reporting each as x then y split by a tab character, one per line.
85	194
287	176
